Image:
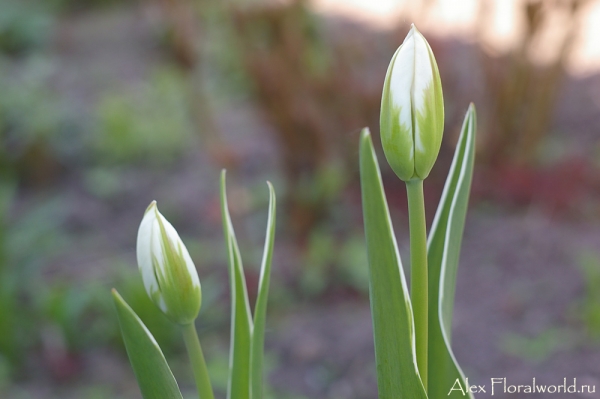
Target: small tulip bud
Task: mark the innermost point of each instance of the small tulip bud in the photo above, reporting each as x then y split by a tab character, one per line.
169	275
412	109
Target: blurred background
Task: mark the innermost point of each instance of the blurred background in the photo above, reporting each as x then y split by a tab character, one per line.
106	105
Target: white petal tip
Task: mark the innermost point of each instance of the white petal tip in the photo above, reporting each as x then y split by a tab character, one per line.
152	205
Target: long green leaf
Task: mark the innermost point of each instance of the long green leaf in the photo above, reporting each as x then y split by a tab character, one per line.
443	253
153	374
260	310
241	318
393	325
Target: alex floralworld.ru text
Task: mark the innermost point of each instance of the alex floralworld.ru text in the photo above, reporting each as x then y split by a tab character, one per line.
500	385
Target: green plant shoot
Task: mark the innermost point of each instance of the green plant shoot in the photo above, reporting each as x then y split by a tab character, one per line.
412	335
171	281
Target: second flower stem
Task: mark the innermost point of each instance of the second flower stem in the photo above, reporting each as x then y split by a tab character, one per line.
192	344
418	272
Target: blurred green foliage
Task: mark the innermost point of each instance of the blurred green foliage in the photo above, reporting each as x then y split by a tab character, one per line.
24	26
331	261
38	135
317	269
85	5
19	275
148	124
352	261
538	348
589	304
56	319
69	307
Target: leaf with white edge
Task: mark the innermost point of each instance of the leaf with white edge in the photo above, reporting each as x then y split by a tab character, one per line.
155	379
260	310
241	317
393	325
443	253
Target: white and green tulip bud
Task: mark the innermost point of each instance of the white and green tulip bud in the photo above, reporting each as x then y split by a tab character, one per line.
169	275
412	109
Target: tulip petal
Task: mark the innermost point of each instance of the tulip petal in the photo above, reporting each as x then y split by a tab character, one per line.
402	78
428	110
169	275
145	257
412	109
396	115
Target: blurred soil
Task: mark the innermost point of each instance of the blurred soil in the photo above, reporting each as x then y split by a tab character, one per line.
519	283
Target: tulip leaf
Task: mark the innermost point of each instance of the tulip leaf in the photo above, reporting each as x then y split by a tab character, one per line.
443	253
393	324
155	379
241	318
260	310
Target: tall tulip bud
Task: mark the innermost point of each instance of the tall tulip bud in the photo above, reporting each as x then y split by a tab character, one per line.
169	275
412	109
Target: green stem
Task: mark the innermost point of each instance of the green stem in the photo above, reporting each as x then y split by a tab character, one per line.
418	271
192	344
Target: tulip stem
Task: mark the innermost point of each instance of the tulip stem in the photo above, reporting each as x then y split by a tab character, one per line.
192	344
418	272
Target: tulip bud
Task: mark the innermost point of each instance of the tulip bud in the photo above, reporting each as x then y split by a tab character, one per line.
412	109
169	275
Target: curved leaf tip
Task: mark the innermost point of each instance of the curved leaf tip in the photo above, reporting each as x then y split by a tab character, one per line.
443	254
155	379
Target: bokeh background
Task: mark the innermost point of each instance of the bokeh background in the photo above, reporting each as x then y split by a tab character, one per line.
106	105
